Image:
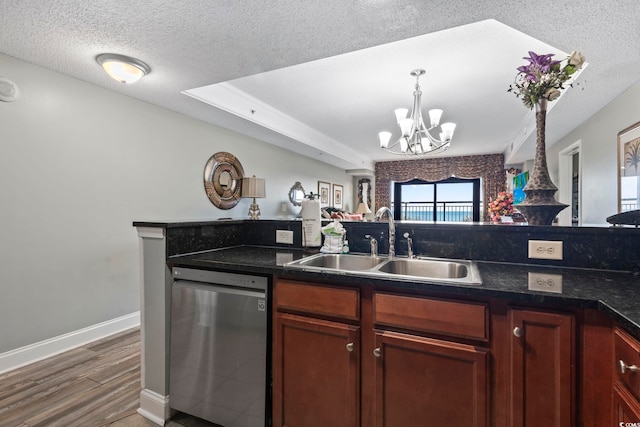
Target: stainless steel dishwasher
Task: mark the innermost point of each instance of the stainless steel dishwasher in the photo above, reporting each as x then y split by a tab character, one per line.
218	369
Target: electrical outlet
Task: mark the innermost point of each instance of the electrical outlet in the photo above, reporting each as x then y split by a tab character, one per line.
284	236
545	282
283	257
545	249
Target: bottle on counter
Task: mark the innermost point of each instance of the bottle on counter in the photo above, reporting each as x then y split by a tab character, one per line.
311	222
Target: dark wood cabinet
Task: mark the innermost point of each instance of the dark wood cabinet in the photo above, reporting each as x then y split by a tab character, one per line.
626	387
316	373
542	369
427	382
316	355
350	357
626	408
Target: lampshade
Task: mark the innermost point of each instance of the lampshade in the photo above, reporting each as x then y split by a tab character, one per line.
434	116
385	137
401	114
363	208
447	131
253	187
123	68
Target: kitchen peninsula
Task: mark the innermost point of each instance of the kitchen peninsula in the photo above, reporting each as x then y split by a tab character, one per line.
472	333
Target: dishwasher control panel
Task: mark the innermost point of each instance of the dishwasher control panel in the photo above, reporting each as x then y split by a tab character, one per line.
220	278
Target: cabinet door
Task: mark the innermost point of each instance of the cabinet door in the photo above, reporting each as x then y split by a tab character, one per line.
626	408
316	373
542	369
425	382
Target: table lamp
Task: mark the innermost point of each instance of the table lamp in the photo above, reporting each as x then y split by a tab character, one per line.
253	188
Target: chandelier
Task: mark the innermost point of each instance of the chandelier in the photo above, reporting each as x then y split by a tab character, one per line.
416	139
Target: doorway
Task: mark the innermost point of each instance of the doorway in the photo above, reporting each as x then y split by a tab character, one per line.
570	184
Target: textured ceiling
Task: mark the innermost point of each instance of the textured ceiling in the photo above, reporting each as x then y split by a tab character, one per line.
204	42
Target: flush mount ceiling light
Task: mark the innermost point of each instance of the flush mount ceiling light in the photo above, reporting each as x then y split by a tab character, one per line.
416	139
123	68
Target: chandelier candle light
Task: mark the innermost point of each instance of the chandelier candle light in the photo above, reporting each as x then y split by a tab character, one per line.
537	83
416	139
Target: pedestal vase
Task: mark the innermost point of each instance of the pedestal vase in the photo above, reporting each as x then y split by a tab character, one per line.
540	206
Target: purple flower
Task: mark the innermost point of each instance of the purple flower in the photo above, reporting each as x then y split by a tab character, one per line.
543	77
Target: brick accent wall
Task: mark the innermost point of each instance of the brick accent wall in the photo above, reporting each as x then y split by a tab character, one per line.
489	167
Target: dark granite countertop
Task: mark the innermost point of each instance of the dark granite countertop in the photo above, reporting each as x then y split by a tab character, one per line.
613	292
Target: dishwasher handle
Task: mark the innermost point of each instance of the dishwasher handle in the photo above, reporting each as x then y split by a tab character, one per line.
211	287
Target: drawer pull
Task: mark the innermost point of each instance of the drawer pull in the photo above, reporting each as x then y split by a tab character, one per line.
518	332
623	367
350	347
377	352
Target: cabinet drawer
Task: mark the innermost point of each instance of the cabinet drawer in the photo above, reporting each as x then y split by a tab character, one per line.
317	299
627	351
441	316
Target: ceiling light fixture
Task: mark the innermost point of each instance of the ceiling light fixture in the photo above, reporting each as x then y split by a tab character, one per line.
123	68
416	139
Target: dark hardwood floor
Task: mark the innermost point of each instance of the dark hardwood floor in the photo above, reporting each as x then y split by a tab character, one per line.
94	385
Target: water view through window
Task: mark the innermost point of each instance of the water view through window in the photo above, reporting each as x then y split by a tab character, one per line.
453	199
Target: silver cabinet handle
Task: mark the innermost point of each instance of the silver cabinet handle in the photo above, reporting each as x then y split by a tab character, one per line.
350	347
623	367
377	352
518	332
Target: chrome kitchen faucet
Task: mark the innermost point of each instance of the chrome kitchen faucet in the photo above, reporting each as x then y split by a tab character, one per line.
392	228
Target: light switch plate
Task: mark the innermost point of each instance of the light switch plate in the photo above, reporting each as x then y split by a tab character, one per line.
284	236
545	282
545	249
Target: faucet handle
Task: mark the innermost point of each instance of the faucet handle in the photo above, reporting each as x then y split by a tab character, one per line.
373	244
409	245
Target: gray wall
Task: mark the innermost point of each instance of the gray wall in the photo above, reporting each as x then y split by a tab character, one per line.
599	150
79	164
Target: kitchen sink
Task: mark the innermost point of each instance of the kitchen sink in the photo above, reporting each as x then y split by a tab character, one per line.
426	268
422	269
346	262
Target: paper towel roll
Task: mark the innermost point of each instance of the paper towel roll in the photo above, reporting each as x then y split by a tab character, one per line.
311	223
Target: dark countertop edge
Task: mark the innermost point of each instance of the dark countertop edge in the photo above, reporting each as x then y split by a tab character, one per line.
531	297
627	324
195	223
457	225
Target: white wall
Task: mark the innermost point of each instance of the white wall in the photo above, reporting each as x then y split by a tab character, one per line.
599	149
78	165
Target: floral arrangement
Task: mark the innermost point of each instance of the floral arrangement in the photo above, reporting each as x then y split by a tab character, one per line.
502	205
544	77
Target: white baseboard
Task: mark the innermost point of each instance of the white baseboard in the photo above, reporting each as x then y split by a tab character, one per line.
41	350
154	407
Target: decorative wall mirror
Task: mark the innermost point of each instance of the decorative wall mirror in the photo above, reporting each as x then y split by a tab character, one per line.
296	194
223	175
364	191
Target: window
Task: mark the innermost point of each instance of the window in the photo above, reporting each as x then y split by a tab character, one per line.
452	199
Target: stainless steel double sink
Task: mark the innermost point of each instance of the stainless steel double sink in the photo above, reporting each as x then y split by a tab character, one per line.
420	269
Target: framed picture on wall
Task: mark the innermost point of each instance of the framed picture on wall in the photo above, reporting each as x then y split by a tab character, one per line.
338	193
629	168
324	193
519	181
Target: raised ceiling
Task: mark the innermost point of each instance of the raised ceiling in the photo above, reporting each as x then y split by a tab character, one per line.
332	72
